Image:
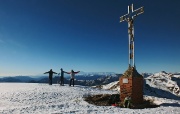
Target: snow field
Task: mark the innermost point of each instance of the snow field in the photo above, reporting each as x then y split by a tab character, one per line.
23	98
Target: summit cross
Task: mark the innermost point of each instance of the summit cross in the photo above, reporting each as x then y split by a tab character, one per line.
129	17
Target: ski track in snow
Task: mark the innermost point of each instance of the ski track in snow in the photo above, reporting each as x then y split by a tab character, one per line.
20	98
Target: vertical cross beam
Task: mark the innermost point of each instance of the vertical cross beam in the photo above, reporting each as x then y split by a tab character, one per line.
130	19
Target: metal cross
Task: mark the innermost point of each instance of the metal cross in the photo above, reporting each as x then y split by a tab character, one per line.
130	19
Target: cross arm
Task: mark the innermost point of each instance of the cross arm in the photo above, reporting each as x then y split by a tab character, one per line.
123	18
138	11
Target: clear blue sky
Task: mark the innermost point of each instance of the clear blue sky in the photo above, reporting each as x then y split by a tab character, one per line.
85	35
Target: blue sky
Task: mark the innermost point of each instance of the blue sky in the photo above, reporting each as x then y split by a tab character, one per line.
85	35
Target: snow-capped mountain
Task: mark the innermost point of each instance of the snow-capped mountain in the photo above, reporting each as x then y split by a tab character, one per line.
146	74
165	81
97	73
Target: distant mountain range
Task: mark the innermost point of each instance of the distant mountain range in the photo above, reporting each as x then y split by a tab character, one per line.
86	79
97	73
22	79
166	81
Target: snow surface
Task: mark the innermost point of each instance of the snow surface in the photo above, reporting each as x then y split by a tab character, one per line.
110	85
20	98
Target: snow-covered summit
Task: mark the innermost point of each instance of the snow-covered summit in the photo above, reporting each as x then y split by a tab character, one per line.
162	73
164	81
23	98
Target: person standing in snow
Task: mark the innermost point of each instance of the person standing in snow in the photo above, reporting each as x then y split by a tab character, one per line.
72	74
62	77
50	75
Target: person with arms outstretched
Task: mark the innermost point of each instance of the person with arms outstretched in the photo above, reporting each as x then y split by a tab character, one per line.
62	77
50	75
72	74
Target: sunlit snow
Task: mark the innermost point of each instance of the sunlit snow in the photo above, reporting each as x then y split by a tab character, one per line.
36	98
